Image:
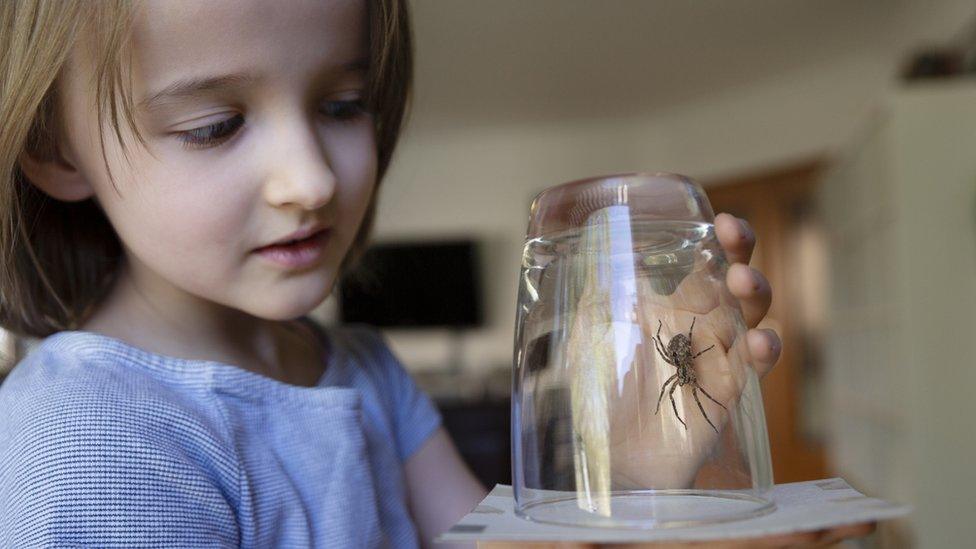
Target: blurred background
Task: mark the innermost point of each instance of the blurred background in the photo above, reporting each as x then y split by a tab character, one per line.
844	131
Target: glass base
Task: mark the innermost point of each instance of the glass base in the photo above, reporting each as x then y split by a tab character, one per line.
648	509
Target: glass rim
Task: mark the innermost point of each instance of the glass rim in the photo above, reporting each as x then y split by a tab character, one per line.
659	195
618	175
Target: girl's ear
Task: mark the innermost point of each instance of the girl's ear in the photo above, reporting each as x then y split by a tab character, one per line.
56	175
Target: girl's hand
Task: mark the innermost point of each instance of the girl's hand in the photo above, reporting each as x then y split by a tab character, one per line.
750	287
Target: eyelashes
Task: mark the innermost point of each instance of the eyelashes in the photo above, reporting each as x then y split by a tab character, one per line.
208	136
219	132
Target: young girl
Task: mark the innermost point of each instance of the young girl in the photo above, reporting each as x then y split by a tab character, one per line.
182	182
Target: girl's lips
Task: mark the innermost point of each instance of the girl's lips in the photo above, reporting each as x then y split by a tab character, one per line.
297	254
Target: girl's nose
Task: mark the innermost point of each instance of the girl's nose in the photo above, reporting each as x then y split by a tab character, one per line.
300	176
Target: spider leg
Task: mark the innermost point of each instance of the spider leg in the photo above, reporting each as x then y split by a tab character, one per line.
694	393
710	397
659	345
700	352
663	353
675	406
661	396
692	327
657	337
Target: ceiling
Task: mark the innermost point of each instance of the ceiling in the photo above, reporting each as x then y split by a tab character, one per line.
526	61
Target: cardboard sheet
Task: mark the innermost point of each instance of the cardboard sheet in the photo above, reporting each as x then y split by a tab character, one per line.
800	506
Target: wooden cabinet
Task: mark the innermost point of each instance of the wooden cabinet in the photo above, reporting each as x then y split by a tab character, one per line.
778	205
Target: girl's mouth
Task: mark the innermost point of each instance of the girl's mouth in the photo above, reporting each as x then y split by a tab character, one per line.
296	253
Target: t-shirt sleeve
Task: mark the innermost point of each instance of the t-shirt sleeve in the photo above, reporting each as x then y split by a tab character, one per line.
415	417
95	467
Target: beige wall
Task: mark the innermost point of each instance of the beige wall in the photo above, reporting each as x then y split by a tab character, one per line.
901	212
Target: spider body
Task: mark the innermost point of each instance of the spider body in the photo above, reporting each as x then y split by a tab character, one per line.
678	354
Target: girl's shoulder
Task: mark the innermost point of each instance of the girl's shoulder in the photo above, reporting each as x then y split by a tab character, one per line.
76	365
94	452
73	388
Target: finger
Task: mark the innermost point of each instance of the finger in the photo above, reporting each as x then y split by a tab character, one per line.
810	538
753	291
797	539
765	348
850	531
736	237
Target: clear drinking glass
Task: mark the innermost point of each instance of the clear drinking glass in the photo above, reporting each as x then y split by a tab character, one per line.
635	402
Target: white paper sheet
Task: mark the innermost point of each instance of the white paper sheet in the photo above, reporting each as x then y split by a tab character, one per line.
800	506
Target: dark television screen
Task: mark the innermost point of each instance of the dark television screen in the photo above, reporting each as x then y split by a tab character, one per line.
415	285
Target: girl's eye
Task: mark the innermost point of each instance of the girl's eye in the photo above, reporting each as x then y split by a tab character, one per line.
344	110
216	133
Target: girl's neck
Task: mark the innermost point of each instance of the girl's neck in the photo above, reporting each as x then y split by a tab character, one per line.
145	311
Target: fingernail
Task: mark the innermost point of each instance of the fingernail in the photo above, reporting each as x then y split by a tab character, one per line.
756	279
774	347
755	282
746	229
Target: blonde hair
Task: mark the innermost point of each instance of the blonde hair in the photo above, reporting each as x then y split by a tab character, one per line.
59	259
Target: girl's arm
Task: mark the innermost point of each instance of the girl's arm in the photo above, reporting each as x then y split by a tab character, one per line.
441	488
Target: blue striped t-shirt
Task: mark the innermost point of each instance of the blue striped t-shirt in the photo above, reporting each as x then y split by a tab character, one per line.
106	445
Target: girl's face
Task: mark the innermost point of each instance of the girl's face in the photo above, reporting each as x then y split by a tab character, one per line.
251	114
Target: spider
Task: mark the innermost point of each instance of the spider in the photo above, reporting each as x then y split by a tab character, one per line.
678	354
